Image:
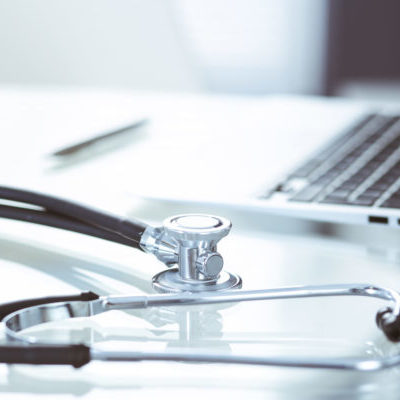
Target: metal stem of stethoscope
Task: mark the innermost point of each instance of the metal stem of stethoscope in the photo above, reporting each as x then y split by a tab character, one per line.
355	364
126	302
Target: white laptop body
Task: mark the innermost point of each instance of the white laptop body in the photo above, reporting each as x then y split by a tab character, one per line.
232	152
197	149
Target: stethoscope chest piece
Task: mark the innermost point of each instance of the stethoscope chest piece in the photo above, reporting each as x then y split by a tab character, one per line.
194	238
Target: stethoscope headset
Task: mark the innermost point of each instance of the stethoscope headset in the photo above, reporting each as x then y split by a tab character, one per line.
187	245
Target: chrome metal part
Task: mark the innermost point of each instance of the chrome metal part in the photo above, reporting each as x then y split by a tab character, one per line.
352	364
36	315
190	241
155	241
170	281
32	316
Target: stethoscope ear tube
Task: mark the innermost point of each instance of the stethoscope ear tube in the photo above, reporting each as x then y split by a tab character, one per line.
54	220
127	228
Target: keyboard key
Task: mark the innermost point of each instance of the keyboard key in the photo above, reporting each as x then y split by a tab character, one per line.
396	194
381	186
308	193
333	200
391	203
356	179
322	181
373	164
340	194
349	186
375	194
363	201
388	179
360	201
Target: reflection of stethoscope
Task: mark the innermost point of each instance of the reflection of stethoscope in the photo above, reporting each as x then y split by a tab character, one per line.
188	241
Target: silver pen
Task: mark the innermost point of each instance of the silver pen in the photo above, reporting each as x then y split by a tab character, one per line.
80	147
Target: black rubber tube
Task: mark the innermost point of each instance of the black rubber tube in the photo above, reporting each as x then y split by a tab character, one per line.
61	222
76	355
8	308
126	227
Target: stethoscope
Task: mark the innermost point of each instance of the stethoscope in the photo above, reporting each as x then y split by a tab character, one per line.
187	245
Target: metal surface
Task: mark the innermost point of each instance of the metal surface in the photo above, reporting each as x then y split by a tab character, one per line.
33	316
355	364
16	322
190	241
170	281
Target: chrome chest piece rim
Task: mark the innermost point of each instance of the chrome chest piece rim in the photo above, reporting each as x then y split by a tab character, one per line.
170	281
199	265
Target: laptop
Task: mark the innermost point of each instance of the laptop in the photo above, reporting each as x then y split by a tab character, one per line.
321	159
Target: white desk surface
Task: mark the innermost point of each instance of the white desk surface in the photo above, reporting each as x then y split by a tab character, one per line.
38	261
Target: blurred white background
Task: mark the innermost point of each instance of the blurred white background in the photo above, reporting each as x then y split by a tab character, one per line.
236	46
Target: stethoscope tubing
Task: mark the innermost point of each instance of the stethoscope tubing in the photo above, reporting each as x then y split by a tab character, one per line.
70	215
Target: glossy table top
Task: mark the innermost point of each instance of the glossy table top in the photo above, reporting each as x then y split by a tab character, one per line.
265	251
36	261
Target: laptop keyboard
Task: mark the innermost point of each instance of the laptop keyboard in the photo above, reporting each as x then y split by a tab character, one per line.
360	167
